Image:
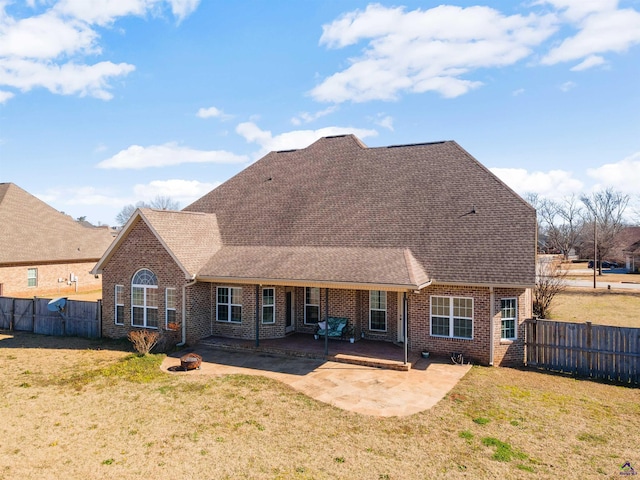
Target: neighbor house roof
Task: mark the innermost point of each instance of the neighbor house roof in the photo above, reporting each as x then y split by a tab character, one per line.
35	233
461	224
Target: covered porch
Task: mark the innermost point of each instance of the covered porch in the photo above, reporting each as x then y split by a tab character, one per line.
371	353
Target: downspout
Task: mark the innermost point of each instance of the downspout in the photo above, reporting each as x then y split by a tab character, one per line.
492	312
184	310
257	316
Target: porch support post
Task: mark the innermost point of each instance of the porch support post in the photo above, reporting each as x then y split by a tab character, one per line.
405	326
326	319
257	316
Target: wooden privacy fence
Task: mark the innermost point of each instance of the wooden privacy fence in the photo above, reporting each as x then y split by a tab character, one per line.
79	318
595	351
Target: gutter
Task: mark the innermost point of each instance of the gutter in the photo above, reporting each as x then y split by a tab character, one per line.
193	281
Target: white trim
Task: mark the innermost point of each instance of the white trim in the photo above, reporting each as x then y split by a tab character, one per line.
230	304
371	309
451	317
115	301
515	319
272	306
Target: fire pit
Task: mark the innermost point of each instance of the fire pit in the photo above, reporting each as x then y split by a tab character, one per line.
190	361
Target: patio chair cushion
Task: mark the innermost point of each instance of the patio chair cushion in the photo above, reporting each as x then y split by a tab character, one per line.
337	327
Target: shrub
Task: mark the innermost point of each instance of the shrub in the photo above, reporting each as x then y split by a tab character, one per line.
143	340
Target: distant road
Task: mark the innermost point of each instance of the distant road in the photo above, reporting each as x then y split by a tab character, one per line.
604	285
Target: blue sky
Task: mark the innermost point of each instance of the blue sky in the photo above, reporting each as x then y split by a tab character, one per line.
106	103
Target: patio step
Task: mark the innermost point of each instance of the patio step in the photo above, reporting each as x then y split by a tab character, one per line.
243	346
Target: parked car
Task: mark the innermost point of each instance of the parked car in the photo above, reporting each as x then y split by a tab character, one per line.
605	264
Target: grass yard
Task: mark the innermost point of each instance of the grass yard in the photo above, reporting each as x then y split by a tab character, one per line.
81	409
603	307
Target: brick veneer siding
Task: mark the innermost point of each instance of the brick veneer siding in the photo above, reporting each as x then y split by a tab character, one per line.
478	348
14	280
141	249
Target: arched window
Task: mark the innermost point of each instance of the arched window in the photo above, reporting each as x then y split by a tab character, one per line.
144	299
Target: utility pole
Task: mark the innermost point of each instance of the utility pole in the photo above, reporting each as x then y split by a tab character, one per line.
595	247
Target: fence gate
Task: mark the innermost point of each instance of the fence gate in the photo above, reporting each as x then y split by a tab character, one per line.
79	318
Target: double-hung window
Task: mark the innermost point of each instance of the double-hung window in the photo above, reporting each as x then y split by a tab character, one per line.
32	277
452	317
509	314
312	305
144	299
268	305
119	301
229	304
170	306
378	310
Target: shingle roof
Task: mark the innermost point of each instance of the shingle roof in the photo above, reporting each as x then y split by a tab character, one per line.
460	223
383	267
32	232
190	237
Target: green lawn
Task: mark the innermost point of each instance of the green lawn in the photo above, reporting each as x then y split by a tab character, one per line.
77	409
603	307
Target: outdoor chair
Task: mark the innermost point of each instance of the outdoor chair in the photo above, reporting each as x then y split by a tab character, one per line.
337	327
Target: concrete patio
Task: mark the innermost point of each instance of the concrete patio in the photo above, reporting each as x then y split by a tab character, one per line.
362	389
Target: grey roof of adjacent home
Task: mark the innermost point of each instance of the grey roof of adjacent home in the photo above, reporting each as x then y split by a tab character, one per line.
34	233
340	213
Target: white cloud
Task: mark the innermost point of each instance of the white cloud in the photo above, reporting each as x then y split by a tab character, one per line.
575	10
551	184
600	31
589	62
168	154
566	86
80	195
425	50
623	175
183	191
385	121
306	117
49	49
518	92
212	112
295	139
4	96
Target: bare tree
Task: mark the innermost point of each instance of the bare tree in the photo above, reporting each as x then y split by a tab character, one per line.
161	202
550	281
606	208
564	223
536	202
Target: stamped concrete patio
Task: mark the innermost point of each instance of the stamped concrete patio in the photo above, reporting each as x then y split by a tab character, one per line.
362	389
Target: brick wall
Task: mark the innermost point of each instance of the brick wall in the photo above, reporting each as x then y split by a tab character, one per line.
14	280
141	249
478	348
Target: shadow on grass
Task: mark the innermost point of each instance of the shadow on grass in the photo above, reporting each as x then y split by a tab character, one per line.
16	339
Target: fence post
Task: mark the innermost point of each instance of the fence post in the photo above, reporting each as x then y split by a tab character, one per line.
13	314
589	346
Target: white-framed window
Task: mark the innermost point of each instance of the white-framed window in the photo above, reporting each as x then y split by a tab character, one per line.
170	306
269	305
452	317
378	310
144	299
229	304
119	301
311	305
32	277
509	314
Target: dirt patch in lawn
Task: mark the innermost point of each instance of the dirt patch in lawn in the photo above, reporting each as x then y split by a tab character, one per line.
78	409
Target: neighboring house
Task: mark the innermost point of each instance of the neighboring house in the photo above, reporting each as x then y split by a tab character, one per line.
422	234
44	252
632	258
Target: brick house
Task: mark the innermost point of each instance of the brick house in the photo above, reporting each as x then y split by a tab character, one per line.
43	251
421	238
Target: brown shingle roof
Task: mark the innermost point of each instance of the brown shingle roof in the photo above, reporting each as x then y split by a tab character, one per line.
190	237
32	232
382	267
460	223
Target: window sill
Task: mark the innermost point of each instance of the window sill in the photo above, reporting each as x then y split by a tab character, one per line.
452	338
228	322
507	341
